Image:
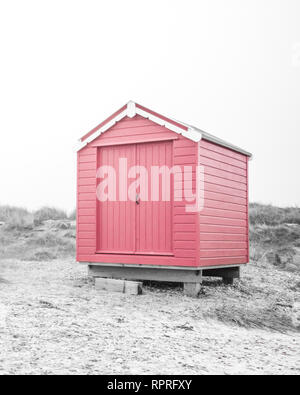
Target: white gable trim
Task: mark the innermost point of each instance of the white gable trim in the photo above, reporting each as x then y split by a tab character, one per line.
131	111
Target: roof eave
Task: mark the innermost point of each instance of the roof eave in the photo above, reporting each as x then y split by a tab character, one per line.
217	140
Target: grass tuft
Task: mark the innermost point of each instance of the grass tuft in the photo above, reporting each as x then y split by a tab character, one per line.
49	213
270	215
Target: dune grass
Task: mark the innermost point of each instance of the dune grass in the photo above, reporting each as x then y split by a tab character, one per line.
49	213
28	235
16	217
20	218
271	215
275	236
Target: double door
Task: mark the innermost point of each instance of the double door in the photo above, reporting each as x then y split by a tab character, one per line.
137	220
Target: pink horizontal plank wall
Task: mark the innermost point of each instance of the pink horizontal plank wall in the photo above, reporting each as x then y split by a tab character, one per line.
223	222
131	131
184	224
86	201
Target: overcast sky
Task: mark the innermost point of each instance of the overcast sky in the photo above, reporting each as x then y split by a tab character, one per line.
231	68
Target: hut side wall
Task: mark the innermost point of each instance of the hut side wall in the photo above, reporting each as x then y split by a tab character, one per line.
223	223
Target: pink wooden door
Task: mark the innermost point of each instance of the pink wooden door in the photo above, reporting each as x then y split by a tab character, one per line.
154	218
141	226
116	219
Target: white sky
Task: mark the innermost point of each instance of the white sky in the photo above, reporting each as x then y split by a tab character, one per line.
231	67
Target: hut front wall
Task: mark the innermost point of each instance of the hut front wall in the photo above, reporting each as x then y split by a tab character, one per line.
185	233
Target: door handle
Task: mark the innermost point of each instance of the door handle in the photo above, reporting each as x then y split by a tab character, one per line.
137	199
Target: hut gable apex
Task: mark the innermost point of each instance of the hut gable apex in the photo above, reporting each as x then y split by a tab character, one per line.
131	110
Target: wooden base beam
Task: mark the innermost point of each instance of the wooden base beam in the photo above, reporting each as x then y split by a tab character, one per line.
142	273
192	279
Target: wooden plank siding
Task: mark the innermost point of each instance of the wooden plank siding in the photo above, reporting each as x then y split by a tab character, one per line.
185	243
223	223
86	202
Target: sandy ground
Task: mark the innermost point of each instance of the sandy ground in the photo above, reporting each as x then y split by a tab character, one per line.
53	321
